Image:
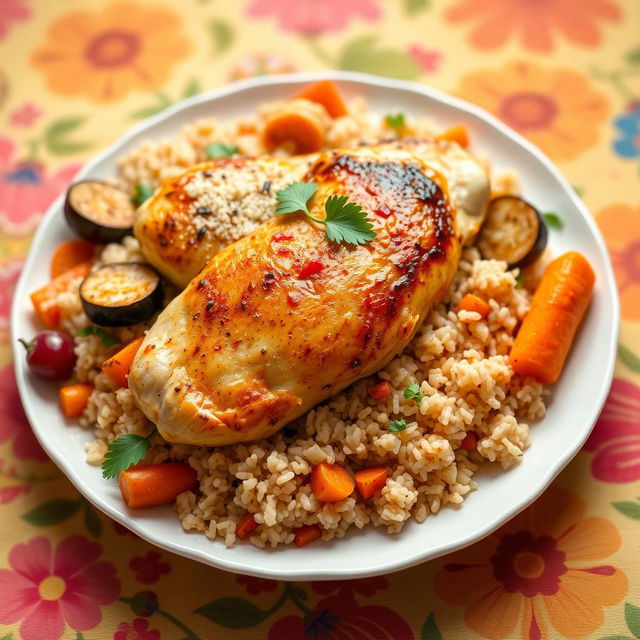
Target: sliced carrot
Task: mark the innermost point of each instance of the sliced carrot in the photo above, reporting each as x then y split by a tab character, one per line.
331	482
118	366
149	485
557	308
294	128
470	441
328	95
69	254
306	534
246	525
74	398
458	133
381	390
369	481
45	300
474	303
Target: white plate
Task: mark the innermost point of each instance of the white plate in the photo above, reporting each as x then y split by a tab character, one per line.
573	409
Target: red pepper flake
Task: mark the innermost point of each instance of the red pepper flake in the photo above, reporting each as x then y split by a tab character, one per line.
383	212
312	268
293	299
283	251
470	441
381	390
281	237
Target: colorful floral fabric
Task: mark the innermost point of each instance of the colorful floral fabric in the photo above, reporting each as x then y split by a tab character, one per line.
75	76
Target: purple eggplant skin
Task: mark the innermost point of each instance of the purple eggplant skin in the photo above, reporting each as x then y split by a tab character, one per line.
105	315
88	224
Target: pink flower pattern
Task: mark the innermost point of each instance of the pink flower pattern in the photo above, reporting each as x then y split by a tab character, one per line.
27	189
149	568
254	586
26	115
9	274
12	11
312	17
428	59
615	440
136	630
47	589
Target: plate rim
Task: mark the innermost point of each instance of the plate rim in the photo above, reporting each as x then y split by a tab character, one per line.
377	567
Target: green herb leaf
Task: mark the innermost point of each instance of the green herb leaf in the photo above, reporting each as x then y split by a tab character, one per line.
412	392
395	120
105	338
295	197
142	192
221	150
122	453
397	425
553	220
52	512
347	221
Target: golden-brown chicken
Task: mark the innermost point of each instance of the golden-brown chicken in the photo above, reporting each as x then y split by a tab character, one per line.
284	318
193	216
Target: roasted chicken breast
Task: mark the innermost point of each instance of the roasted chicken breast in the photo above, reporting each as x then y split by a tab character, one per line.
283	318
192	217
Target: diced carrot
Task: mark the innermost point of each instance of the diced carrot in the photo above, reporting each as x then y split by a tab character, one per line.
331	482
297	129
470	441
69	254
149	485
74	398
118	366
246	526
306	534
45	300
328	95
557	308
474	303
369	481
381	390
457	133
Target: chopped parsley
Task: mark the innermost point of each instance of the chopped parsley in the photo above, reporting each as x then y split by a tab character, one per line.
397	425
395	120
123	452
553	220
344	222
105	338
221	150
412	392
141	193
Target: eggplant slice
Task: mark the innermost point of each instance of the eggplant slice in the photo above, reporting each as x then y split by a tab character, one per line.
121	294
99	212
513	231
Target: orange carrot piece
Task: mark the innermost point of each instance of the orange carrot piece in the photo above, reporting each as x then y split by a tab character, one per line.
381	390
328	95
306	534
74	398
245	527
331	482
557	308
474	303
45	300
118	366
470	441
458	133
369	481
70	254
294	128
149	485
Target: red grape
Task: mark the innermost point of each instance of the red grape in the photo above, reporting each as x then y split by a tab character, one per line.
50	355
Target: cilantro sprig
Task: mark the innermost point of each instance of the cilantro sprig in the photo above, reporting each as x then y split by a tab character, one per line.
396	120
397	425
105	338
126	450
553	220
344	222
142	192
221	150
412	392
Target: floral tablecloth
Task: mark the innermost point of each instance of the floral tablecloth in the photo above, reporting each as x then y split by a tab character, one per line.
75	75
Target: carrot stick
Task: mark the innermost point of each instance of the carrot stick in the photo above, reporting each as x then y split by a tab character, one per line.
297	129
369	481
381	390
69	254
331	482
557	308
45	300
118	366
457	133
149	485
328	95
74	398
470	441
245	527
306	534
474	303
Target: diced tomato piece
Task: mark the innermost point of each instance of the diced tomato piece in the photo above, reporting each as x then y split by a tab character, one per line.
312	268
381	390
